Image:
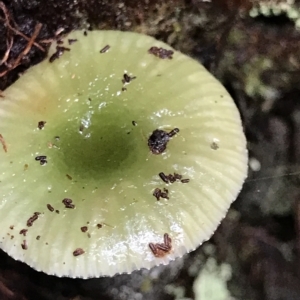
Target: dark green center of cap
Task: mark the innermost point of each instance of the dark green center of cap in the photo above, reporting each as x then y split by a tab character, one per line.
99	147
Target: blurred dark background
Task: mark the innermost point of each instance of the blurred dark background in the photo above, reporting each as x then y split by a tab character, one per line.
253	48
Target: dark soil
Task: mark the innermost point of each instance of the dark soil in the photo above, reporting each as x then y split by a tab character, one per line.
258	60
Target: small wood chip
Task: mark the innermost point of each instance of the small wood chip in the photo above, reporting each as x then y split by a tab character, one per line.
161	249
185	180
72	41
69	176
78	252
50	207
105	49
84	228
43	162
158	193
161	52
32	219
81	127
40	157
24	245
59	52
172	178
127	78
23	231
41	124
163	177
68	203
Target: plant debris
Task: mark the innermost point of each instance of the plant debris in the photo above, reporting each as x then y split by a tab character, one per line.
42	159
32	219
169	178
84	228
2	141
69	176
23	231
50	207
158	193
160	250
78	252
127	78
59	52
68	203
105	49
185	180
41	124
72	41
158	140
161	52
24	245
11	32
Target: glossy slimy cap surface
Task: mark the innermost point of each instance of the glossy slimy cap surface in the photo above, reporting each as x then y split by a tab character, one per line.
77	176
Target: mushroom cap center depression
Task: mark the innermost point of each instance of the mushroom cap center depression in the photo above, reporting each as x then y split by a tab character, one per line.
97	140
100	145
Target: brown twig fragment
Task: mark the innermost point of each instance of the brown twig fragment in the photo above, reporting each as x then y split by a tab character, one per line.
8	19
56	37
9	43
32	219
36	32
6	291
59	52
2	141
12	30
105	49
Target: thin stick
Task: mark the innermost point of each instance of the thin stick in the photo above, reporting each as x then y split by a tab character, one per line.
2	141
15	30
36	32
6	54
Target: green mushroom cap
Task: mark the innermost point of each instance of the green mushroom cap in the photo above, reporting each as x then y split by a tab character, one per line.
119	153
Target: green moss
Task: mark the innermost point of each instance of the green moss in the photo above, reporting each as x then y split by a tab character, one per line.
211	283
277	8
253	70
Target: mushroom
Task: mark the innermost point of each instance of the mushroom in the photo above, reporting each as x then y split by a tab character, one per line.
91	167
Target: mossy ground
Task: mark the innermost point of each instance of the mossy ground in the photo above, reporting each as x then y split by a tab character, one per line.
258	61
